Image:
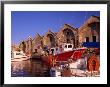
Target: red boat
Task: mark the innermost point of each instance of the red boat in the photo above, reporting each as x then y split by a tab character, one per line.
75	54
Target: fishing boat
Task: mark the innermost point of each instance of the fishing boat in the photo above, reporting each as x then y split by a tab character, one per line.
67	53
18	56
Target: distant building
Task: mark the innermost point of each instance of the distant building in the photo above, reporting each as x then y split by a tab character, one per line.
88	32
14	47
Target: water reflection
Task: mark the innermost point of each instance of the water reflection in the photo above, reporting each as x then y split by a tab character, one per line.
29	68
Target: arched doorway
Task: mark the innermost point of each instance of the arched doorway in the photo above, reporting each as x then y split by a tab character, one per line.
69	36
23	46
51	40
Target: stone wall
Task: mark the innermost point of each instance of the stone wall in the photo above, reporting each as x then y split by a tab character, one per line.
86	30
67	34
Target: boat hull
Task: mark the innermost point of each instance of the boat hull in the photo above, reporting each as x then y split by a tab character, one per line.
19	59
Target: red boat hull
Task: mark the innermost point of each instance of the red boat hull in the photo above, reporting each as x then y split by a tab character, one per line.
75	54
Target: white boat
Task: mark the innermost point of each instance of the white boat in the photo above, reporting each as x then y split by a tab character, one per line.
18	56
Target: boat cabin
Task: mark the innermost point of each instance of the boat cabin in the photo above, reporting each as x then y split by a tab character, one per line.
18	54
68	47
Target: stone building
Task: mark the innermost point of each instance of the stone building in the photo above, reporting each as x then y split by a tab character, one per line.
37	43
88	32
14	47
68	34
26	46
50	39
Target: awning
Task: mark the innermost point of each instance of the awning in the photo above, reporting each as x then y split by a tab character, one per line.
91	44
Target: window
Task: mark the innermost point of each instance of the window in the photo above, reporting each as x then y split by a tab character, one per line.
67	33
94	38
67	40
52	51
87	39
56	48
93	26
50	39
69	46
36	50
65	46
77	42
17	53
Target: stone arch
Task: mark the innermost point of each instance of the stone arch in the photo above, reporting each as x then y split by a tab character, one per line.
23	46
69	36
51	40
29	45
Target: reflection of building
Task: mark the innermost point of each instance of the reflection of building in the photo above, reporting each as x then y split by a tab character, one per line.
88	32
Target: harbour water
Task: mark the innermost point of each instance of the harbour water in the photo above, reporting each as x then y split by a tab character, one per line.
29	68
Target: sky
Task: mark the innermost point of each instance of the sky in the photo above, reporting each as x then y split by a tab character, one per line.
29	23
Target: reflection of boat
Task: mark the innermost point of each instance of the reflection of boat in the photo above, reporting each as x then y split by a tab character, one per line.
18	56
